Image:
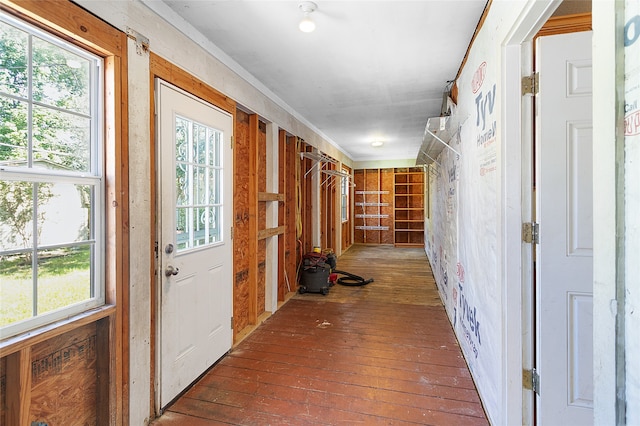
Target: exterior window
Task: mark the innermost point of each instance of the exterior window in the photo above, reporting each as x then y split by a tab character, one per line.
344	199
51	178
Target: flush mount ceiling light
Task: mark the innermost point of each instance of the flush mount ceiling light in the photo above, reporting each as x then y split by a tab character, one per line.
376	144
306	24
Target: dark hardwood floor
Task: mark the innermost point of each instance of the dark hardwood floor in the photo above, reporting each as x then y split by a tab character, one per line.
384	353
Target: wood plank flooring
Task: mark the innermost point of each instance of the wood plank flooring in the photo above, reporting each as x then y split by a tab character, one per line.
383	353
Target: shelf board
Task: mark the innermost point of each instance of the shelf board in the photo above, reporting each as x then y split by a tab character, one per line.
373	228
371	192
372	204
416	245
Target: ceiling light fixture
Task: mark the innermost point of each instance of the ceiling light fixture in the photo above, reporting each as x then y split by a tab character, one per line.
376	144
306	24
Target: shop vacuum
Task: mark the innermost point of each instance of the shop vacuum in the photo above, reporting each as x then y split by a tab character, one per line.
318	273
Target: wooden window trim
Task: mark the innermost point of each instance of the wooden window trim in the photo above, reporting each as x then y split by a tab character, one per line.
75	25
21	341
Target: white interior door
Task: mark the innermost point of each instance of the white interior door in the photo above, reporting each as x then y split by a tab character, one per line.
564	282
195	249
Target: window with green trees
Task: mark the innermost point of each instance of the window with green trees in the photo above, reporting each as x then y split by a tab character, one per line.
51	178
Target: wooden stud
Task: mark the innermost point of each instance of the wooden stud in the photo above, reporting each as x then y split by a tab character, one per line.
105	403
282	212
261	283
291	185
19	381
253	218
270	196
241	203
270	232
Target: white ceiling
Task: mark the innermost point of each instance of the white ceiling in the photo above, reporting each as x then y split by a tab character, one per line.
371	69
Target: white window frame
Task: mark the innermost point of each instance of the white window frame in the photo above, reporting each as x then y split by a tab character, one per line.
344	196
95	178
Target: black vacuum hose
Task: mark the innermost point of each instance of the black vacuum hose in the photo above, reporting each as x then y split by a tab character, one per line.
351	279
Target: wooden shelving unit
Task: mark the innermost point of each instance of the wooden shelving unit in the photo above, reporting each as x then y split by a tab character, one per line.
408	207
373	203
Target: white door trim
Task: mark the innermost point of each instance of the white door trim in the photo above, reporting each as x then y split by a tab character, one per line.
516	193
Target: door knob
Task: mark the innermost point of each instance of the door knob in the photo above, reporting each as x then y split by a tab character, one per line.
171	271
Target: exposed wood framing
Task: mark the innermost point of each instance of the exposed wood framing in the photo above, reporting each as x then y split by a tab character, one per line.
261	283
18	385
306	190
346	226
282	213
270	196
270	232
291	184
386	185
241	224
327	209
253	218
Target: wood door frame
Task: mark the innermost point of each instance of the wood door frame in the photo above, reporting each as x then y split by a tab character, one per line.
165	70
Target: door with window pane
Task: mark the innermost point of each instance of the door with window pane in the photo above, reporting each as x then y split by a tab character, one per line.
194	176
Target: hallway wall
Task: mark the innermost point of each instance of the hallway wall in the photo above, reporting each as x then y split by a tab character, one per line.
464	231
174	46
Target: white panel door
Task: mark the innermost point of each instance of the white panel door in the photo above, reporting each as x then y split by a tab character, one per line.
195	249
564	282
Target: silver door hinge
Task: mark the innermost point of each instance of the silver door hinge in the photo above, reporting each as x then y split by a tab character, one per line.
531	84
531	233
531	380
231	142
232	232
232	323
